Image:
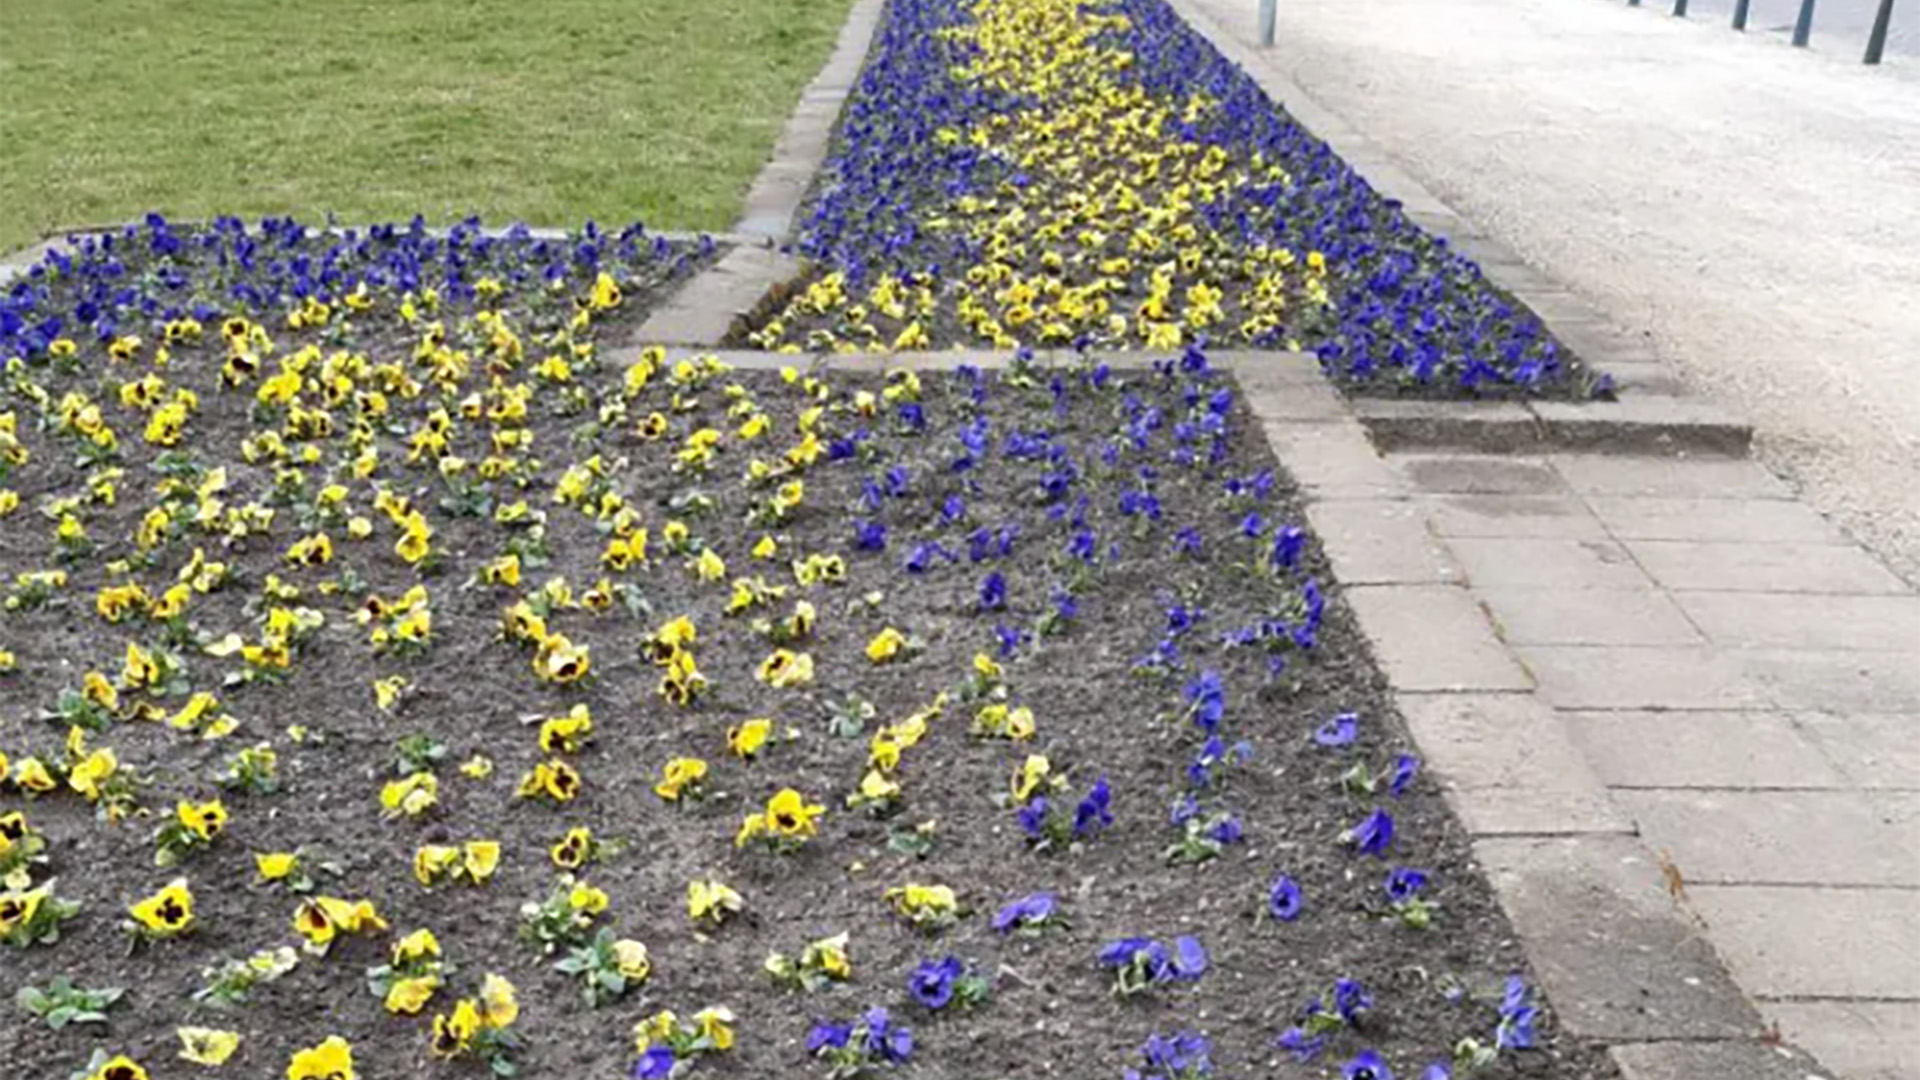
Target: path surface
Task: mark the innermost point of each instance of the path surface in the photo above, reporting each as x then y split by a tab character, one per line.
1753	209
1678	711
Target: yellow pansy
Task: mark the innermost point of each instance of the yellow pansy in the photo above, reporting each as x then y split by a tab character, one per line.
408	996
386	692
1028	779
574	849
587	899
710	901
415	947
276	865
568	733
716	1026
500	1005
680	776
745	740
118	1067
331	1060
886	645
207	1046
167	913
553	779
411	795
631	958
786	668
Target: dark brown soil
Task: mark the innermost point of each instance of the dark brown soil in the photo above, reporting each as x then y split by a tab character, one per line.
1052	1013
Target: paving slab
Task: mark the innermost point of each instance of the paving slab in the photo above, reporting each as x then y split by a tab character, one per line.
1617	960
1741	1059
1810	941
1548	563
1518	516
1508	765
1530	615
1381	542
1769	521
1333	461
1478	474
1872	750
1778	837
1765	567
1701	477
1783	620
1758	749
1645	677
1827	679
1863	1040
1434	638
1312	403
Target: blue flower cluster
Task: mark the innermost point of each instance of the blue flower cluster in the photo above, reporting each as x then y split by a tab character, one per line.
132	280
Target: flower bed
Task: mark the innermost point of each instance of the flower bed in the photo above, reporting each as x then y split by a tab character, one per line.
410	681
1053	172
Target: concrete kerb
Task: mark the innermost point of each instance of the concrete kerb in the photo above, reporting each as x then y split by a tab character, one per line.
776	194
1651	418
1636	424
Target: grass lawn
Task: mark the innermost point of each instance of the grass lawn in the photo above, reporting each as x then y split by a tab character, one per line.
547	112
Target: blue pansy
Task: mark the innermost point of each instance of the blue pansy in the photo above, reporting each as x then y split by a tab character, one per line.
1284	899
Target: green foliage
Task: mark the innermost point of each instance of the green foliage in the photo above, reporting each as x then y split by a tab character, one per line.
662	111
63	1003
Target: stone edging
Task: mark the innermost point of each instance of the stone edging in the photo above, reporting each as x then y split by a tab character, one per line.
1636	424
775	197
724	296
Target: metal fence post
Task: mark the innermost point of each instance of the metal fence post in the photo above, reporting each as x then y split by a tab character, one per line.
1740	15
1877	39
1267	12
1803	26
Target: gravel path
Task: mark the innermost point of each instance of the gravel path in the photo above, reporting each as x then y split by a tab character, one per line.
1754	209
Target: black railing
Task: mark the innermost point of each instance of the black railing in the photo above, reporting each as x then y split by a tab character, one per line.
1803	24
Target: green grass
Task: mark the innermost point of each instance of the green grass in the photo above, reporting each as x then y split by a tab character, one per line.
548	111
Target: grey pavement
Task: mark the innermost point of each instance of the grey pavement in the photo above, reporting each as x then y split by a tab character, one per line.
1795	835
1747	212
1679	712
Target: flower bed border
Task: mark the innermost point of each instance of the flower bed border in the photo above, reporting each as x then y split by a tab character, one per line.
1654	415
